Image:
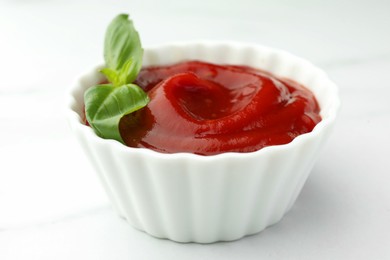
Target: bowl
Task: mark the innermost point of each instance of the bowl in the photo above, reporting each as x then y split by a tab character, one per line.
193	198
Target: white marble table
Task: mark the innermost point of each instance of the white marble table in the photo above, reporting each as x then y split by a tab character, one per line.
51	204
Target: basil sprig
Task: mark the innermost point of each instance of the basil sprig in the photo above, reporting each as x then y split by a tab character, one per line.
106	104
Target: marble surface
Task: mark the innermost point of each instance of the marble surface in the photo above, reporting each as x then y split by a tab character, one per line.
51	204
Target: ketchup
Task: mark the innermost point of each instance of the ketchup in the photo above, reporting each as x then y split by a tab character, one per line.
207	109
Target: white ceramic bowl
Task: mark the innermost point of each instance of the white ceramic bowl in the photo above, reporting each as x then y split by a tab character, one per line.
192	198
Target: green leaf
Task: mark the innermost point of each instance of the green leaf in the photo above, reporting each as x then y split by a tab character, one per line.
122	43
128	73
105	105
111	75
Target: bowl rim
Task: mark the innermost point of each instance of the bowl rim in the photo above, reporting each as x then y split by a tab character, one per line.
75	119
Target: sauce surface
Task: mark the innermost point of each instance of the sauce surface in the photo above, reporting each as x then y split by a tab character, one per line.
207	109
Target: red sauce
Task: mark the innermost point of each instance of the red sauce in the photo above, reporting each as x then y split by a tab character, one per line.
207	109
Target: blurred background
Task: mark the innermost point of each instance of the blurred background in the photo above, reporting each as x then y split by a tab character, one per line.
50	199
42	40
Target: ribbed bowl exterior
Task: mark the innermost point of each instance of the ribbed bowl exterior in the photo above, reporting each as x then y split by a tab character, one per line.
204	199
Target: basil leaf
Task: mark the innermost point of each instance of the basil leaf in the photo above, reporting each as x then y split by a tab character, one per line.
105	105
111	75
122	43
128	72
